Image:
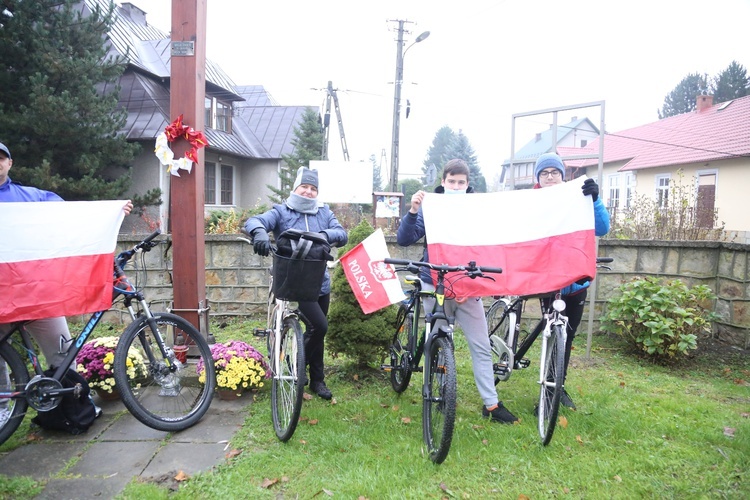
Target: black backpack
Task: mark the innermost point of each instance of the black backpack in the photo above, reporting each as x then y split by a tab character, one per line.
74	414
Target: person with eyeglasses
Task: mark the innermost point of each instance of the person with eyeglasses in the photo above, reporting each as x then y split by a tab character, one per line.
550	171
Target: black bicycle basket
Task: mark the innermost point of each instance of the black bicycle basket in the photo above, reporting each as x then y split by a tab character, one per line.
299	266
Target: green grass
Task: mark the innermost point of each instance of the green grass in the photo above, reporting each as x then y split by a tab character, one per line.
640	431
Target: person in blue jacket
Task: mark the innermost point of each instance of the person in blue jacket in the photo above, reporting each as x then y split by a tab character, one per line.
51	334
549	171
302	211
46	332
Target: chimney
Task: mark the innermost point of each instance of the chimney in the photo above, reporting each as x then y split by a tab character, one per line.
538	137
703	102
135	14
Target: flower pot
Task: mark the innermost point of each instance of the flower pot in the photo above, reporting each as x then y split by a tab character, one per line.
108	396
229	394
180	352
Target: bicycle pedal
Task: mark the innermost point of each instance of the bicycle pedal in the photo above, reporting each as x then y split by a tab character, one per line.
523	363
386	368
418	369
260	332
500	369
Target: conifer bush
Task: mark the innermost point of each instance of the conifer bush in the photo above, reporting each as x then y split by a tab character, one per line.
362	337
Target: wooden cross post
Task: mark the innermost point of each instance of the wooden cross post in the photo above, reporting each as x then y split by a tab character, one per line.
187	96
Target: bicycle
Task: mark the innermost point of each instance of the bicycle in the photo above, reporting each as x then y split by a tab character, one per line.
283	334
509	346
168	397
408	346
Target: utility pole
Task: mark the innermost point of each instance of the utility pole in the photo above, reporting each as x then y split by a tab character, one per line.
187	95
400	52
397	105
332	95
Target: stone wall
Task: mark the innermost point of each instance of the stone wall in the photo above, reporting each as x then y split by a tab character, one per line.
237	279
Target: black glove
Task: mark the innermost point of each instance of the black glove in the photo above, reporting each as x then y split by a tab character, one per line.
261	243
590	188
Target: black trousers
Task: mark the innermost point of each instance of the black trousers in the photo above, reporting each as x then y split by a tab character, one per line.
316	327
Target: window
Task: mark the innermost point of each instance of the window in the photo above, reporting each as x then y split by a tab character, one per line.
620	189
208	104
210	183
227	185
223	185
662	190
218	115
629	188
613	187
584	142
223	117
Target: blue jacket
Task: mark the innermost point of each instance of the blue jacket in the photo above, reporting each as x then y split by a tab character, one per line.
13	192
281	217
412	230
601	227
409	232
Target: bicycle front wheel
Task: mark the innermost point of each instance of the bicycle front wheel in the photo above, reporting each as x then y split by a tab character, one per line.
155	387
13	378
551	383
439	407
402	349
288	385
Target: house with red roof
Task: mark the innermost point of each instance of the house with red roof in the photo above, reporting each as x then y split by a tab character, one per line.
708	148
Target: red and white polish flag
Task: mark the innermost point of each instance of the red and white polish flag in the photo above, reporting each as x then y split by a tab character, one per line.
375	284
543	239
56	257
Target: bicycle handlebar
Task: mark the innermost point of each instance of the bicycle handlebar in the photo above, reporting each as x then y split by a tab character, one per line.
145	245
472	270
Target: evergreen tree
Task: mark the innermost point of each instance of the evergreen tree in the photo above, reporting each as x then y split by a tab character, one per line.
462	149
409	187
440	151
60	127
682	99
446	146
731	83
377	175
308	145
362	337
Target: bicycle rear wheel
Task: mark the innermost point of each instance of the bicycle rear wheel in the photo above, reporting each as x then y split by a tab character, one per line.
439	407
288	384
402	349
551	383
13	378
165	394
498	323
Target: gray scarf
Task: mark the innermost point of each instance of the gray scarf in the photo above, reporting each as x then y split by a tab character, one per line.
302	204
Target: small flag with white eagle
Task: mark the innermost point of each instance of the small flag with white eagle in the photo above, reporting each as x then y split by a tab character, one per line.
375	284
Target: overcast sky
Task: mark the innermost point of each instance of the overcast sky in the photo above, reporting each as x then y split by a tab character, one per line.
484	61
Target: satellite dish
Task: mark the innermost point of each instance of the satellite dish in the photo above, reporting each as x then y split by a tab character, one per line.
431	174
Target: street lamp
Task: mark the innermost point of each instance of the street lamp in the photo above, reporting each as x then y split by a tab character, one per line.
400	53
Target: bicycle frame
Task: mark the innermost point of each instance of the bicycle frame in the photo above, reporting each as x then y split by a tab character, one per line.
436	344
508	355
